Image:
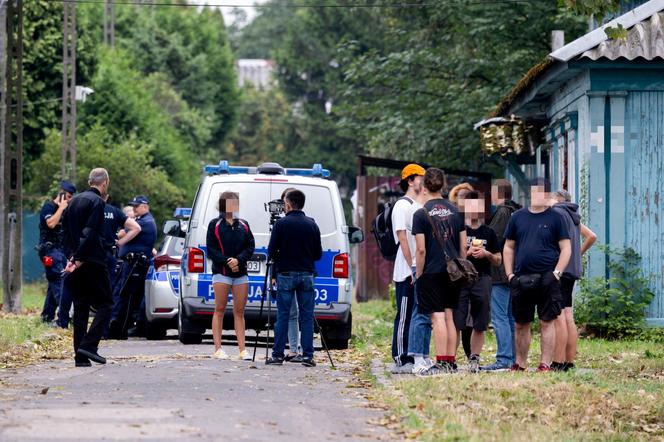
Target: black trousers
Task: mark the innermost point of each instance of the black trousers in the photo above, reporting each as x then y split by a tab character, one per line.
90	286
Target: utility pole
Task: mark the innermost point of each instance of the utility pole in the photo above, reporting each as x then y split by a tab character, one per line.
68	159
11	149
109	23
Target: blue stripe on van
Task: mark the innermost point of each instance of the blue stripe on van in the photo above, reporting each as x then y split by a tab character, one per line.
326	289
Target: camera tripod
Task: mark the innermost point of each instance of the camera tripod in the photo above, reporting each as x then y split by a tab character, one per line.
268	290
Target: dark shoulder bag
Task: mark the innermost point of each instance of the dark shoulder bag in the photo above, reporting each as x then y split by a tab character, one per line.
460	270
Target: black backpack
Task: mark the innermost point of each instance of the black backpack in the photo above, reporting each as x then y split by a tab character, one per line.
381	227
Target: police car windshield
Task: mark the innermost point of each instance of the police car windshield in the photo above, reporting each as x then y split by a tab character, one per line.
253	195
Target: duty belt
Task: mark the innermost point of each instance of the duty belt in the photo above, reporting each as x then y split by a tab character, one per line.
136	258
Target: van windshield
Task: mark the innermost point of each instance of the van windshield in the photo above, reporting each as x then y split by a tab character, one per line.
254	195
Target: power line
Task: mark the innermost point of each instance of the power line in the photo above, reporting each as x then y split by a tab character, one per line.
291	5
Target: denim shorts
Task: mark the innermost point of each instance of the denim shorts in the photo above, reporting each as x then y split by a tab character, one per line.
217	278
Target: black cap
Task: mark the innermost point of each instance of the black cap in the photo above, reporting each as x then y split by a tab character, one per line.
139	199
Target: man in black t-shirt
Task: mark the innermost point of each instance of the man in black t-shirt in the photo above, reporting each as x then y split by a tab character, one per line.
439	233
483	252
537	250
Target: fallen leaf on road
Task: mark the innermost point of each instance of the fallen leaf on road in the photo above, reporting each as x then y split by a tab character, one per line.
44	390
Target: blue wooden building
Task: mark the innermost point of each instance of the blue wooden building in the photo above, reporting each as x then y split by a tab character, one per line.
599	104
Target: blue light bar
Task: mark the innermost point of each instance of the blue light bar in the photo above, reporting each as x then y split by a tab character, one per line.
182	212
316	171
224	168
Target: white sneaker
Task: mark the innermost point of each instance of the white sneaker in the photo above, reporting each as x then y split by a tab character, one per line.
220	354
244	355
419	368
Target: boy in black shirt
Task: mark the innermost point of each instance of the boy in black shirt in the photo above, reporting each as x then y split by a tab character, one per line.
439	233
537	250
483	252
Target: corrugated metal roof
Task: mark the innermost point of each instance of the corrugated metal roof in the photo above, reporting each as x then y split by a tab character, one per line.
644	40
589	41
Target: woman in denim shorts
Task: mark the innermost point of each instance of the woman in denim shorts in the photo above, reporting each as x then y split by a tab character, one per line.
230	244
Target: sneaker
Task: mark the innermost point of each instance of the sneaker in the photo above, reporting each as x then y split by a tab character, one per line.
402	369
517	367
274	361
308	362
543	368
82	362
220	354
567	366
420	368
91	355
242	356
474	364
495	367
557	366
293	358
435	370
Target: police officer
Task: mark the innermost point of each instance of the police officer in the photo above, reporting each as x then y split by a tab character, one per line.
50	247
129	289
114	221
87	276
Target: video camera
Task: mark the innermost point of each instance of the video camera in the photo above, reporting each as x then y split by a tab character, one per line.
276	210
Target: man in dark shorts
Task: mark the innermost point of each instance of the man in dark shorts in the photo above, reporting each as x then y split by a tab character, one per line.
566	332
484	252
537	250
439	233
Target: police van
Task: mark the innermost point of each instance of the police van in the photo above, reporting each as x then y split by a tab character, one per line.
257	187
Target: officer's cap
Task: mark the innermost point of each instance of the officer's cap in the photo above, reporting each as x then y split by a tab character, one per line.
140	199
67	187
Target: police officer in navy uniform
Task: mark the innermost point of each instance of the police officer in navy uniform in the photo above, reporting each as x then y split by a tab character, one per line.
114	221
50	248
129	288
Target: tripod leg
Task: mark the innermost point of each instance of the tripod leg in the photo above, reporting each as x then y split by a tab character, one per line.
260	311
322	340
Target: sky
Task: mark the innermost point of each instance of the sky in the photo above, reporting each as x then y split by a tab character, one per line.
251	12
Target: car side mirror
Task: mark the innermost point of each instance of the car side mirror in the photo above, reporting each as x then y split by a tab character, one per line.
355	235
173	227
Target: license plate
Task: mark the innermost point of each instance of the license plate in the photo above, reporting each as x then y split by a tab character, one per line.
253	266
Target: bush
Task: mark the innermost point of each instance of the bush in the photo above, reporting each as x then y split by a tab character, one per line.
615	307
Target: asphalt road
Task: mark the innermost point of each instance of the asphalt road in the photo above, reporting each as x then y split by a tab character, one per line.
164	390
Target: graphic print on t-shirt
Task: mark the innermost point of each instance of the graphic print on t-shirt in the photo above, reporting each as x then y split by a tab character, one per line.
449	224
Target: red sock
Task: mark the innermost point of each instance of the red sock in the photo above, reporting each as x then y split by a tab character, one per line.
451	359
440	358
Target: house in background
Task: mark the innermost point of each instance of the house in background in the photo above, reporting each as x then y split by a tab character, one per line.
256	72
598	105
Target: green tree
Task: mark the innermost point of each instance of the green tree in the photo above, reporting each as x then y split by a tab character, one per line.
129	164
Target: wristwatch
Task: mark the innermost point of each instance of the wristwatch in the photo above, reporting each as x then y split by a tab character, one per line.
557	273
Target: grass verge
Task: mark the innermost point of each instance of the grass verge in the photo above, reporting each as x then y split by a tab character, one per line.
617	395
25	339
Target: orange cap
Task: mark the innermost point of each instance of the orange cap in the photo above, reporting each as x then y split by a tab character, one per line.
412	169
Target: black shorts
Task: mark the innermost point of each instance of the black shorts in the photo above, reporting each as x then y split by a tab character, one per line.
435	293
566	290
546	298
477	299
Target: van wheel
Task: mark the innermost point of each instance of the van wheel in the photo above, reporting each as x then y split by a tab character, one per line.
337	344
154	332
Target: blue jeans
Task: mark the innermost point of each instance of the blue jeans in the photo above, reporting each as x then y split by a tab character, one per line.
419	333
294	329
503	324
64	307
54	277
291	285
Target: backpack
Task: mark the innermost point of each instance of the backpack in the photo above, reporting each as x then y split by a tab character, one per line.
381	227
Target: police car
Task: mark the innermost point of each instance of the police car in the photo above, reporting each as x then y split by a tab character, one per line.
162	282
257	186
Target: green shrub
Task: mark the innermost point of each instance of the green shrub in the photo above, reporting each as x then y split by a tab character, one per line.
615	307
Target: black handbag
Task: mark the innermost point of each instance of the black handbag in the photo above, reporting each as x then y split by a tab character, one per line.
460	270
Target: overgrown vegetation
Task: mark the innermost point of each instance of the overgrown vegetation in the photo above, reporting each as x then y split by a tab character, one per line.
615	394
615	307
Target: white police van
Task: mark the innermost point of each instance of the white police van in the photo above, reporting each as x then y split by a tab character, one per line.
257	186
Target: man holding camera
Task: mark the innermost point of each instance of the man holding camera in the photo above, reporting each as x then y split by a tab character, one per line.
295	246
50	248
129	289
